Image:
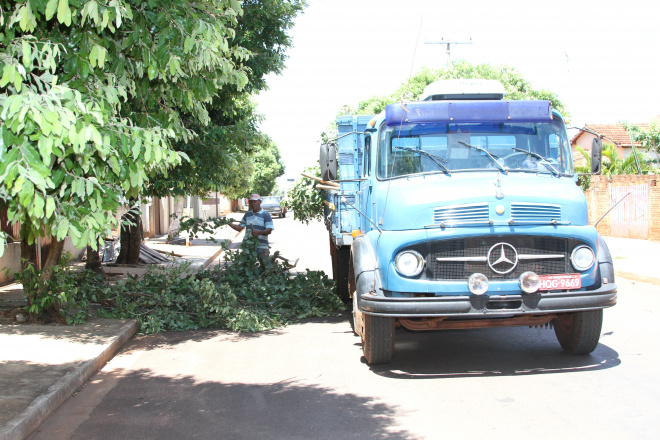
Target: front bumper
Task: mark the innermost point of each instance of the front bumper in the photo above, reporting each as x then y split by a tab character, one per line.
473	306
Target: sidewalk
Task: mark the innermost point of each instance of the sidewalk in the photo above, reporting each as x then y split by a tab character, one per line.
42	366
201	252
635	259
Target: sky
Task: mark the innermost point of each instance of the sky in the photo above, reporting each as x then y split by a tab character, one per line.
602	58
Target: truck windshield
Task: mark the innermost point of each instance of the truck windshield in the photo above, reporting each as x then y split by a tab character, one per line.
443	148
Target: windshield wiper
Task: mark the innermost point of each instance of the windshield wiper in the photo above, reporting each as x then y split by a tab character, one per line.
543	160
491	156
437	160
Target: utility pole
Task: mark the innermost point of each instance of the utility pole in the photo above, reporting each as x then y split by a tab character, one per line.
448	44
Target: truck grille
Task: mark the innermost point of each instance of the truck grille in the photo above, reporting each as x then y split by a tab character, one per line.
460	258
534	212
477	212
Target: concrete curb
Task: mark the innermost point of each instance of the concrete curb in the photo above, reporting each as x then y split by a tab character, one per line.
45	405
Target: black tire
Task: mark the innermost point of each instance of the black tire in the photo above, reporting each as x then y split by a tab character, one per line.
378	339
580	332
355	316
340	272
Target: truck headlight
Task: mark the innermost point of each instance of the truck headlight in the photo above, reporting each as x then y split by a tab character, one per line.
529	282
409	263
583	258
478	283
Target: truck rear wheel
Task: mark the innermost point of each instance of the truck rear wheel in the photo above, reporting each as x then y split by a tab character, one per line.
340	260
356	314
378	339
579	332
357	321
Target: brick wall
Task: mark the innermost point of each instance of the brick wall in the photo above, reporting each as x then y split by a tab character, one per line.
654	209
598	200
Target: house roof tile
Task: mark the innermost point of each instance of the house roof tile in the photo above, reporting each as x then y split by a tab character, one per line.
613	133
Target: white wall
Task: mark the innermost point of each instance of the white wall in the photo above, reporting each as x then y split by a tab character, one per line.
11	259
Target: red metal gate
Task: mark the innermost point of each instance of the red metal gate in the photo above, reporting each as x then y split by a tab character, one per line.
630	218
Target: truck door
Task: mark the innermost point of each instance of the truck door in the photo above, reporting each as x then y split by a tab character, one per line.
366	185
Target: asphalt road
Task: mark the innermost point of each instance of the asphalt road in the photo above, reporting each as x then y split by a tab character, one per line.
309	380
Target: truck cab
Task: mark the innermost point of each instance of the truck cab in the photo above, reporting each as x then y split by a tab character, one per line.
461	211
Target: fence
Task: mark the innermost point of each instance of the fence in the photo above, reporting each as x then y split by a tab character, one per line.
12	230
633	203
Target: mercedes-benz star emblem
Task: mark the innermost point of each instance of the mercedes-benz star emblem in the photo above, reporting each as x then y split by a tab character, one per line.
502	258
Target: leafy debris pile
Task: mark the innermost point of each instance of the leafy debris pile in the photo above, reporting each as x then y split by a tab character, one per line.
242	296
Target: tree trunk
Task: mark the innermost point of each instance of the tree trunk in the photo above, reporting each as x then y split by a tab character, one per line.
34	285
130	238
28	269
53	258
93	262
173	230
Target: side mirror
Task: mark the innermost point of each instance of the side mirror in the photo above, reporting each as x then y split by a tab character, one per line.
596	155
328	161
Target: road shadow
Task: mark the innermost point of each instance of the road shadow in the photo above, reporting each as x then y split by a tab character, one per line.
144	405
171	339
516	351
166	340
340	316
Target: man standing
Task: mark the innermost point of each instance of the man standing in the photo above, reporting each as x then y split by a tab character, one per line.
259	224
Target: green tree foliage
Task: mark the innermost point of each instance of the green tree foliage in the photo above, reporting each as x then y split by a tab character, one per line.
263	30
648	138
242	297
268	166
515	85
304	199
238	178
94	93
585	169
256	172
221	156
613	164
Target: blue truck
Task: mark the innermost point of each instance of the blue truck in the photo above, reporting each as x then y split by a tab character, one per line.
461	211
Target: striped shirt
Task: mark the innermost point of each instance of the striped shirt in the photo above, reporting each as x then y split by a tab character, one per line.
258	221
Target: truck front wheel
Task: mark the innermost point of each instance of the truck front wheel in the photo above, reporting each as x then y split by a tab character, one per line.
378	339
579	332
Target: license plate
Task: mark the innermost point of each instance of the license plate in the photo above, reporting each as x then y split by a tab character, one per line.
567	281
